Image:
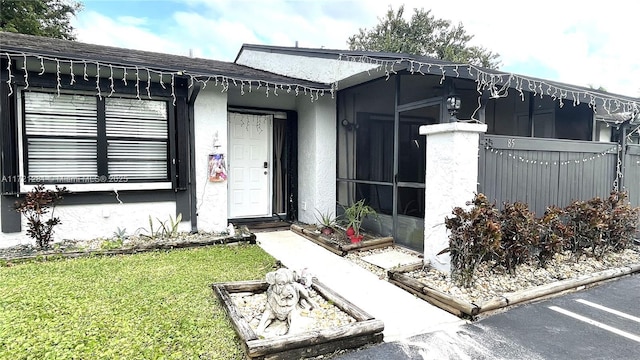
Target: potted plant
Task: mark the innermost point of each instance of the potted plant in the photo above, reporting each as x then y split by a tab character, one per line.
326	222
354	215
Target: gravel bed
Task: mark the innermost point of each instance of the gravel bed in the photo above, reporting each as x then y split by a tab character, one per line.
325	316
128	242
356	257
492	281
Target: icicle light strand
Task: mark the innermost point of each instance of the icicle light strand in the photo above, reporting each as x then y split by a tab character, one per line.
26	72
10	75
498	84
220	80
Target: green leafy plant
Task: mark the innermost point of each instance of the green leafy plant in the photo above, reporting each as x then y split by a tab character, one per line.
165	229
36	205
170	230
111	244
326	221
475	234
355	214
120	233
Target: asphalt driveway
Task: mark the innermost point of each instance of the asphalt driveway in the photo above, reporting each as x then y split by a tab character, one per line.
598	323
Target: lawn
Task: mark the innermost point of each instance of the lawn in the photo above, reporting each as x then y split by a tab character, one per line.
156	305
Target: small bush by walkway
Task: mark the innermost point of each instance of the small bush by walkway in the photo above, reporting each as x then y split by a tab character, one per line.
142	306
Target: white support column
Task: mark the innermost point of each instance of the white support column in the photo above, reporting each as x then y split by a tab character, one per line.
451	180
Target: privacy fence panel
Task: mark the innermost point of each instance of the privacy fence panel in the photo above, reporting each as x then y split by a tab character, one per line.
545	172
632	173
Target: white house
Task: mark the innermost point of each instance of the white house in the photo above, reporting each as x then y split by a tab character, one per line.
280	132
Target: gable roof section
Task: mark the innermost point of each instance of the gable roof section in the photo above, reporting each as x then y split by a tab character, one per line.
73	50
266	57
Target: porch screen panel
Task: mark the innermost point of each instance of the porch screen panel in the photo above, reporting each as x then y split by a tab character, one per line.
137	139
61	136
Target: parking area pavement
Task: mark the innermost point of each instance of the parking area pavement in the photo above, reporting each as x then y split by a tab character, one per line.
598	323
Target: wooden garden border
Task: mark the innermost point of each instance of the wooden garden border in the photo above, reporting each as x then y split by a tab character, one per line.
341	249
463	308
152	245
365	330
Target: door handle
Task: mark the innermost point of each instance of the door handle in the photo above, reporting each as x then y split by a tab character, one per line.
266	165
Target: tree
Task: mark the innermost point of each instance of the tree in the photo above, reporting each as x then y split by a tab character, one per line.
423	35
50	18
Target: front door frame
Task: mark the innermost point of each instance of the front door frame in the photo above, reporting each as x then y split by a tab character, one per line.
269	168
290	153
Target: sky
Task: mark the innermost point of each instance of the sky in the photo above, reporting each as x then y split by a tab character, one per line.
587	43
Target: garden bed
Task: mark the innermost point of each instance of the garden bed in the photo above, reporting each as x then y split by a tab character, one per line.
364	330
340	246
130	245
493	291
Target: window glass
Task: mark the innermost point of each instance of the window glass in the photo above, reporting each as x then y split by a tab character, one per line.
63	143
136	138
61	136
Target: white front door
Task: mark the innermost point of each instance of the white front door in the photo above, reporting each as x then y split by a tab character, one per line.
249	165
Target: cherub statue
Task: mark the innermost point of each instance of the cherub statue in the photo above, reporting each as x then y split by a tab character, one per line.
283	295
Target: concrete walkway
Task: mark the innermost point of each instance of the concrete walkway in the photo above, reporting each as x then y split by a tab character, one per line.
403	314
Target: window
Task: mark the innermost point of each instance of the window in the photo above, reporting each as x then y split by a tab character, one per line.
75	139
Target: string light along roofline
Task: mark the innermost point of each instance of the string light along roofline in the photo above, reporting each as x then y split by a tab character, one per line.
498	83
65	65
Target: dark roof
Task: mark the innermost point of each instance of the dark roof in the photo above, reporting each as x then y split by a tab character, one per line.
336	53
73	50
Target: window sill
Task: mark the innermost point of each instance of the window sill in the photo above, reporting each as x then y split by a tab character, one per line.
102	187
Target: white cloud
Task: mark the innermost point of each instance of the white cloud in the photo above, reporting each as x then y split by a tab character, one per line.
585	43
92	27
131	20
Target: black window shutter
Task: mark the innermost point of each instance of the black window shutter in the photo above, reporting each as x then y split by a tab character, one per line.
182	144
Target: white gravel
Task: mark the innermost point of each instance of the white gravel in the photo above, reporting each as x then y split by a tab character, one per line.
492	281
325	316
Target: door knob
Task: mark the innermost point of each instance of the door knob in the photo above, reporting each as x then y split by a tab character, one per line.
265	165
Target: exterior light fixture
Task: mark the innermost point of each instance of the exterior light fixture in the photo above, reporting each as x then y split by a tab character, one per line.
453	106
350	126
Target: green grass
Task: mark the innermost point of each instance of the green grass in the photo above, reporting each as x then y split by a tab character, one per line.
146	306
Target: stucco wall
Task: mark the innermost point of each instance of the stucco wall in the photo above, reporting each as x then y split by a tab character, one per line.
210	112
303	67
316	157
85	222
317	164
258	99
451	180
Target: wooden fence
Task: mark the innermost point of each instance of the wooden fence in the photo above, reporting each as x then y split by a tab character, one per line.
545	172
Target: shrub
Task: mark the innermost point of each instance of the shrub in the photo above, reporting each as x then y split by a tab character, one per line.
514	236
624	221
475	233
550	236
587	222
35	207
518	227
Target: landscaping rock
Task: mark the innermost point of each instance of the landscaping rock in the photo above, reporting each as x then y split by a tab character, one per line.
325	316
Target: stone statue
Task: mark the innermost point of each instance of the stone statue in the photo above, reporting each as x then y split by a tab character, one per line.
283	295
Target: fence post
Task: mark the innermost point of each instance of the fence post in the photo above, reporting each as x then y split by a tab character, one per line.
451	180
